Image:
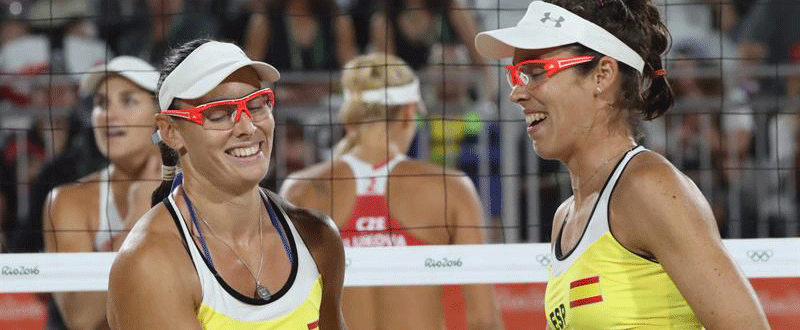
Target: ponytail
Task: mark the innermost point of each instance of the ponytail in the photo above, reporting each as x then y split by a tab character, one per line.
658	98
169	161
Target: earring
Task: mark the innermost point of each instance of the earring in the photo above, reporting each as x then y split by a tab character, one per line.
597	91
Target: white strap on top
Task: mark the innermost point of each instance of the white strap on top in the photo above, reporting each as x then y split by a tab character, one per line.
598	220
598	225
109	219
371	180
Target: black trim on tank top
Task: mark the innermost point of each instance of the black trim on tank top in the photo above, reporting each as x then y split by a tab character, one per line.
180	229
558	253
236	294
608	213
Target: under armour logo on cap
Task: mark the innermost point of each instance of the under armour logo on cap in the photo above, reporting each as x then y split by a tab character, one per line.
548	18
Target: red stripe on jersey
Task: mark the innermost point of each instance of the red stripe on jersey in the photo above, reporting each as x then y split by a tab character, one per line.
585	301
313	325
584	281
382	163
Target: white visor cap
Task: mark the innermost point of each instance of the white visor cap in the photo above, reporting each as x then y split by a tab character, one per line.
132	68
205	68
390	95
546	25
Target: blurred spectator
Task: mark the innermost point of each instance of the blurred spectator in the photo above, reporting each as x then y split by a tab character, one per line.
410	29
296	149
39	90
361	12
451	116
694	126
12	28
769	30
40	74
54	13
80	158
297	35
148	28
123	24
107	203
705	25
781	204
233	16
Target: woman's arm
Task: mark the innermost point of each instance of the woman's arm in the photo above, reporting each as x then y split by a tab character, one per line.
257	34
660	212
463	21
147	290
345	39
467	217
66	229
382	37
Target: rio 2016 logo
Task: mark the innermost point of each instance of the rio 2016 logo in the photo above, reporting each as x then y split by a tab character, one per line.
19	271
442	263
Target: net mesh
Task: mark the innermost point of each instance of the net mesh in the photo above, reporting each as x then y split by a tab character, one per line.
734	129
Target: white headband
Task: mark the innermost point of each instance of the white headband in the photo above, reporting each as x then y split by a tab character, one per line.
546	25
391	95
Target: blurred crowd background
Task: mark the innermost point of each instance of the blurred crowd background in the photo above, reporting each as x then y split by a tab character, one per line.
734	64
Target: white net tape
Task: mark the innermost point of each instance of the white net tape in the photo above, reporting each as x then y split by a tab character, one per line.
390	266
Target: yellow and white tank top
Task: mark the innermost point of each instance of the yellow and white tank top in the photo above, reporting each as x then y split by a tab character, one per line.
294	307
600	284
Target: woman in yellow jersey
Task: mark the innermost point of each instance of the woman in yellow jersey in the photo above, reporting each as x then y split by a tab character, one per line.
217	251
379	197
636	246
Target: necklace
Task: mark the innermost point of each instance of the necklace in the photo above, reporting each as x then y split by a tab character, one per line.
603	166
261	291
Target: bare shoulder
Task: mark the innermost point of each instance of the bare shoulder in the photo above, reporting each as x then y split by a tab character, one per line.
321	236
651	177
654	204
68	204
316	228
432	175
86	187
153	250
153	283
315	178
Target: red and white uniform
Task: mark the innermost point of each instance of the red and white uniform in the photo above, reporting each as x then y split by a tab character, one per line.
371	223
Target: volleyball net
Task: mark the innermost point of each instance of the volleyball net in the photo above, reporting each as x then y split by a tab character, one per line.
517	273
733	131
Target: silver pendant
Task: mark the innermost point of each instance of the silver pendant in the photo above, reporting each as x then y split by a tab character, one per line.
262	292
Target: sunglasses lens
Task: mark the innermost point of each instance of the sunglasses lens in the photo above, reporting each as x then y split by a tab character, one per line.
219	117
226	114
260	106
516	78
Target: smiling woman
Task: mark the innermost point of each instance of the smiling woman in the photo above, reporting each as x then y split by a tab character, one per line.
216	120
585	72
95	213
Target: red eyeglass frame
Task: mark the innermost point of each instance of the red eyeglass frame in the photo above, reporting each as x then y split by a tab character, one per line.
195	114
551	66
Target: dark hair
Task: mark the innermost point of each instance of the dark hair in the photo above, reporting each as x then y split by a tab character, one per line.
638	24
169	157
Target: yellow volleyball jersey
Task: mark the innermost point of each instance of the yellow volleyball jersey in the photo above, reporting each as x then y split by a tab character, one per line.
602	285
294	307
